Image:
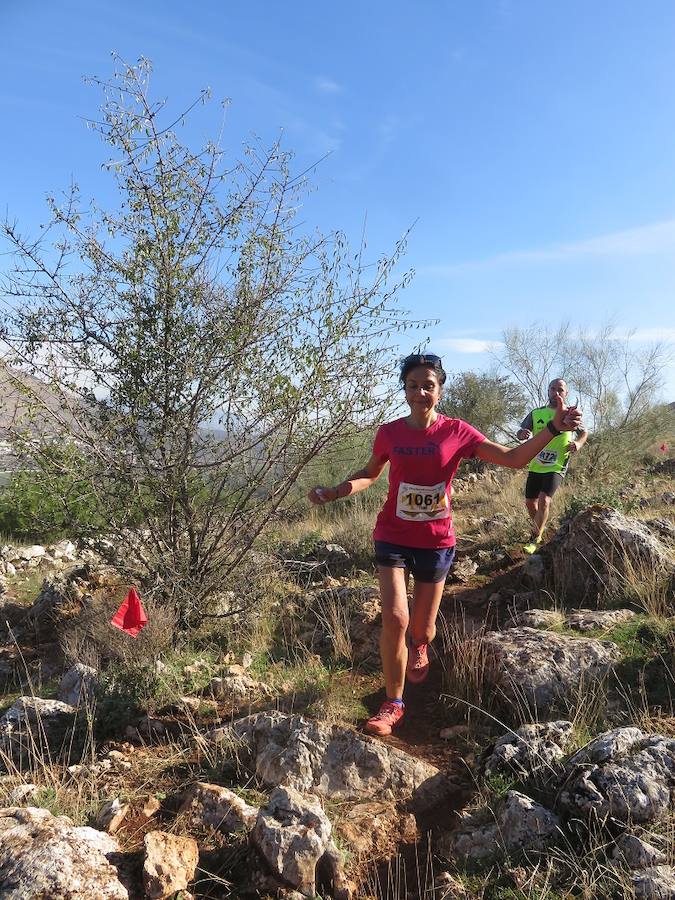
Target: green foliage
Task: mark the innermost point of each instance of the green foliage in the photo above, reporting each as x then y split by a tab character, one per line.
604	495
203	351
622	450
121	695
489	402
45	505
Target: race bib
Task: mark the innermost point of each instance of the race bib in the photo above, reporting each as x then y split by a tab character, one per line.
548	457
422	503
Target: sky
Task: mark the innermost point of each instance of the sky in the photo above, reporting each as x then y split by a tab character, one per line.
530	146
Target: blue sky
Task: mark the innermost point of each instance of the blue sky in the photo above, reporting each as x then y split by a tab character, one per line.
532	144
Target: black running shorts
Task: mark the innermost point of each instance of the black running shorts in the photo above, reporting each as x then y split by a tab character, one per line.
542	483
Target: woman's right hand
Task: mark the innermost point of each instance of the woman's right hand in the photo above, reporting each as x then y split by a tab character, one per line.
322	495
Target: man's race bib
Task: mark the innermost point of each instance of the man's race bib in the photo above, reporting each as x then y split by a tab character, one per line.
422	503
548	457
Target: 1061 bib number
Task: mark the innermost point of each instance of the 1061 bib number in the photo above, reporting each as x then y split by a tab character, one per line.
422	503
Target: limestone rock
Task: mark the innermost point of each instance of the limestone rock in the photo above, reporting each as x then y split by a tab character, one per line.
530	750
78	685
375	828
449	888
333	555
536	618
56	594
625	774
636	853
462	569
655	883
597	619
170	863
330	761
599	547
32	726
217	807
33	552
151	806
538	667
237	688
111	815
65	550
340	619
535	569
514	824
293	835
45	856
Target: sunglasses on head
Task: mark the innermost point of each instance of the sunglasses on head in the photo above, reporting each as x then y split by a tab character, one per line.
423	359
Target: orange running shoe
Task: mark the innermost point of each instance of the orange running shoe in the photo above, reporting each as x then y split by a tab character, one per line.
390	714
418	663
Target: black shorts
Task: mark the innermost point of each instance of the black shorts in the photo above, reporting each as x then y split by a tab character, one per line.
429	566
542	483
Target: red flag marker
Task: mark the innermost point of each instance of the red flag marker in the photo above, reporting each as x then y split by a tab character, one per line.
131	616
663	448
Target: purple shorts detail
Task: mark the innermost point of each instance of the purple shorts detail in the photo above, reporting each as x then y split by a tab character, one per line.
430	566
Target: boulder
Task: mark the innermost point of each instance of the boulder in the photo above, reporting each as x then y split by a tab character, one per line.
529	751
335	556
46	856
655	883
34	552
32	727
344	620
511	825
595	551
294	837
78	685
213	806
170	863
330	761
539	667
22	793
597	619
635	853
56	594
64	550
534	570
624	774
536	618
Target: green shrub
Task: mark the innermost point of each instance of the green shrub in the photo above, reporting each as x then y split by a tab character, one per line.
121	695
33	505
606	495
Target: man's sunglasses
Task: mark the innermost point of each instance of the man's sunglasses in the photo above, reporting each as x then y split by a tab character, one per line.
423	359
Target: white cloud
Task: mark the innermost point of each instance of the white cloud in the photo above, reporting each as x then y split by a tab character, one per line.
467	345
327	86
652	334
646	240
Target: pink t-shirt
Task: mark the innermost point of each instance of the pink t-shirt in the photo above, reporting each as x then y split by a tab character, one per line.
422	464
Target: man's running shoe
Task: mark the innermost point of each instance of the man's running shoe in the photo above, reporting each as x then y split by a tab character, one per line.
418	663
532	547
390	714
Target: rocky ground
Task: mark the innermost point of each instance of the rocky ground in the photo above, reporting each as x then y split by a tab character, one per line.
537	761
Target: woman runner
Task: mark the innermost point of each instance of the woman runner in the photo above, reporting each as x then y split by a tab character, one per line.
414	531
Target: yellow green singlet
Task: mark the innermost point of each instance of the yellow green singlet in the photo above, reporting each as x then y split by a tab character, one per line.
555	456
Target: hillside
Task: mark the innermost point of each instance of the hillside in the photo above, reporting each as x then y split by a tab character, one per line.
235	763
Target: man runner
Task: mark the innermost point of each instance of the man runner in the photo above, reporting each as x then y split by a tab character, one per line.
548	468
